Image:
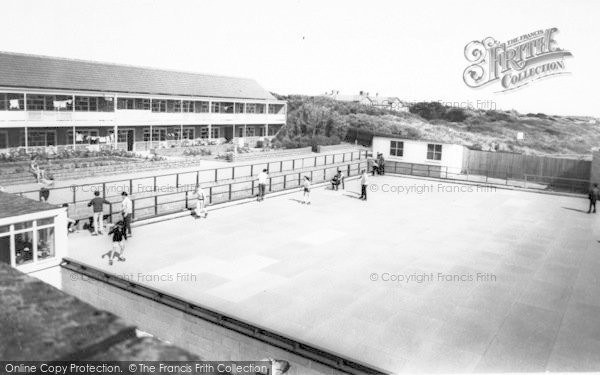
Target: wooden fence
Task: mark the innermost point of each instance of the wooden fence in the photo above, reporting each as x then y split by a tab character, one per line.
501	165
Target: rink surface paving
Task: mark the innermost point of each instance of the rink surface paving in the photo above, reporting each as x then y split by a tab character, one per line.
424	276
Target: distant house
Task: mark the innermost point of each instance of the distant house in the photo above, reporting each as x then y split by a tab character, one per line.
390	103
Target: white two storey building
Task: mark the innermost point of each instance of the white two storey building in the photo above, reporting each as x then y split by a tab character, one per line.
47	101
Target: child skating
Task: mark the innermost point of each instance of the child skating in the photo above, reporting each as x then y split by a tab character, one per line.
306	193
118	237
200	203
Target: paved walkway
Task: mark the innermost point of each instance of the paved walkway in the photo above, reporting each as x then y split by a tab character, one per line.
486	280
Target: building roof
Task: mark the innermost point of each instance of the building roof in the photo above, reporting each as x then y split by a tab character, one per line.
41	72
15	205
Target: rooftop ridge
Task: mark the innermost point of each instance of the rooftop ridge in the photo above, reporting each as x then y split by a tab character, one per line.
72	59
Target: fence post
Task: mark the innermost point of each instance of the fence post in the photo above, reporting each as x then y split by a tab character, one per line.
104	190
155	184
315	161
232	173
210	195
229	192
311	176
132	209
352	156
348	173
155	205
110	212
293	164
324	174
74	194
300	179
284	179
252	188
177	181
281	166
344	157
252	170
270	181
186	199
216	174
131	186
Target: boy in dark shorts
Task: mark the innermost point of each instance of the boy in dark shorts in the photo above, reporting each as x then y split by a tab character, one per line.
118	236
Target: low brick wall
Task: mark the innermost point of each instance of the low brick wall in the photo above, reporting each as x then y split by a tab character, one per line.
40	322
340	147
272	154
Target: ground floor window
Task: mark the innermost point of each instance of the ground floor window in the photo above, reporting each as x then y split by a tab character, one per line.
434	152
3	140
83	136
250	131
28	242
261	131
158	134
38	138
241	131
396	148
188	133
204	132
273	130
215	132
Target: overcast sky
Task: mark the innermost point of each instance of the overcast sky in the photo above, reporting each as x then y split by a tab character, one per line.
410	49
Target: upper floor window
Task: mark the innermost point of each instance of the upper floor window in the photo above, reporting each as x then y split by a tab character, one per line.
275	109
94	104
239	108
201	107
173	105
255	108
434	152
159	105
49	102
12	102
221	107
187	106
396	148
133	103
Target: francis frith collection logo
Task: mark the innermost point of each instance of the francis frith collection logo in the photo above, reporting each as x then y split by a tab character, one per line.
514	63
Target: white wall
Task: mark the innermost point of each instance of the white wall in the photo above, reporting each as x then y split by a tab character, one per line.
416	152
60	236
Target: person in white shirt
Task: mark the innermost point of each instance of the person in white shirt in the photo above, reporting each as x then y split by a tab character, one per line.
263	177
200	202
127	210
306	194
363	185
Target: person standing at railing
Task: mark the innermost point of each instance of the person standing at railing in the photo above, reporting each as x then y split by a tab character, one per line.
127	210
263	177
593	196
98	204
200	202
363	185
306	190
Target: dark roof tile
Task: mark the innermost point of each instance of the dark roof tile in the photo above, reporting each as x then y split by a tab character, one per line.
31	71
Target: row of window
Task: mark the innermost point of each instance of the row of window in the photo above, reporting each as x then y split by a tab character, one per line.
434	151
27	242
43	138
16	102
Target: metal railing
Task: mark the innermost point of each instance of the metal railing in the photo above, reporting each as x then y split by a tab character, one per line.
168	203
142	189
527	181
